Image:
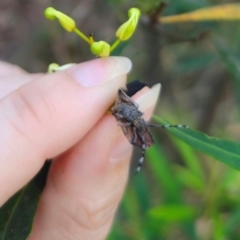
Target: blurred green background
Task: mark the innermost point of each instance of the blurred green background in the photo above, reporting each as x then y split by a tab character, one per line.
181	193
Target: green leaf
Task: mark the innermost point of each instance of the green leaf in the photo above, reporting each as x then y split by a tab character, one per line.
172	212
141	188
169	187
162	172
190	158
189	179
17	214
226	151
229	59
233	221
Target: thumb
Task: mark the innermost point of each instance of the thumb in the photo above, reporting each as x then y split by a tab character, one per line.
45	117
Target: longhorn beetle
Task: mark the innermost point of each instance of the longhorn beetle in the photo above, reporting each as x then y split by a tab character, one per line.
134	127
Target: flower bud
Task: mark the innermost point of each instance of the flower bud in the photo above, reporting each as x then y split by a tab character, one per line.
54	67
126	30
66	22
101	48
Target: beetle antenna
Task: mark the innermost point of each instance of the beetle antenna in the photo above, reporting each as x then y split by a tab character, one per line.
167	125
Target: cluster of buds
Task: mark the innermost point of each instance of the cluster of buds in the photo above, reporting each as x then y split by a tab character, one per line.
100	48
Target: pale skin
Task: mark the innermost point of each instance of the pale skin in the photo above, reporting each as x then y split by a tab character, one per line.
64	116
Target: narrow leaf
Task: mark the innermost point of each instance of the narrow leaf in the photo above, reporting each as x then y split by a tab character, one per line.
162	172
17	214
172	212
190	158
224	12
226	151
229	59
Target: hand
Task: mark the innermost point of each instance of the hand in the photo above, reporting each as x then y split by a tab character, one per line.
64	116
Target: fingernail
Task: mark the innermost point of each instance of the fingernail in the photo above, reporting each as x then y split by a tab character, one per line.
149	99
121	147
100	71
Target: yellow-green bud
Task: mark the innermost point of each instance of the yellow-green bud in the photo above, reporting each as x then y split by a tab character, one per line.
101	48
54	67
126	30
66	22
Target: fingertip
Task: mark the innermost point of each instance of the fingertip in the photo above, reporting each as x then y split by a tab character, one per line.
147	99
100	71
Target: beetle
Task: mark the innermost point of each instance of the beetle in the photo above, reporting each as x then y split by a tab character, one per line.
134	127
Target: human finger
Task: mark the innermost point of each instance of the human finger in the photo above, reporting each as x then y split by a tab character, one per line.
86	183
45	117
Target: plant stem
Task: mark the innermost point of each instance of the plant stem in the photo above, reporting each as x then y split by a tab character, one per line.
83	36
115	44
